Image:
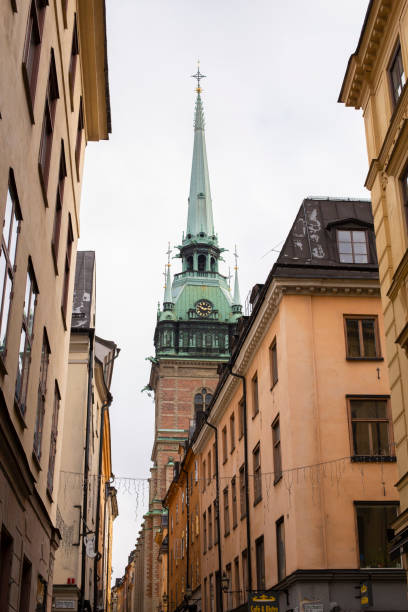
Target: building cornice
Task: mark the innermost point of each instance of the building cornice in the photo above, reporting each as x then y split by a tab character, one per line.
267	312
361	63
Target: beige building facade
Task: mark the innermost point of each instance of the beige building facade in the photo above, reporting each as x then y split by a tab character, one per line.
305	441
86	498
375	83
54	99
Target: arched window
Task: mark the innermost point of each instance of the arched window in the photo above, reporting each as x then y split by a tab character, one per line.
212	264
190	263
202	399
201	263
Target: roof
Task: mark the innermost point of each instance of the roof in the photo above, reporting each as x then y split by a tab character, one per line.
310	249
83	290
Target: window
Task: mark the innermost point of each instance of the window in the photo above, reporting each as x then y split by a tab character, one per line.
58	208
226	512
373	520
397	75
257	473
255	402
214	461
42	391
73	60
202	400
362	340
215	523
182	502
237	585
6	558
404	185
67	271
280	548
234	502
11	228
26	340
25	586
242	490
232	431
370	427
32	50
201	263
212	608
241	417
197	521
51	97
228	569
210	527
352	245
54	437
195	472
204	475
209	468
277	459
260	563
224	445
204	533
273	363
205	596
78	143
177	514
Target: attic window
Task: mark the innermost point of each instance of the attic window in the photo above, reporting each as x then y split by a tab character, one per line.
352	245
397	74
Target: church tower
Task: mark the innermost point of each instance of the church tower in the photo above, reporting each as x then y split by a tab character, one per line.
193	336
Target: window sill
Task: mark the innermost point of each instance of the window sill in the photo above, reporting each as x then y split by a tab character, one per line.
373	459
232	450
364	358
235	526
225	461
44	184
54	258
226	534
243	516
36	461
278	479
3	370
30	101
274	385
255	415
240	436
20	414
257	500
64	320
49	495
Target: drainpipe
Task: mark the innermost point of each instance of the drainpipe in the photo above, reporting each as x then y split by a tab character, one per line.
217	496
86	466
104	407
248	523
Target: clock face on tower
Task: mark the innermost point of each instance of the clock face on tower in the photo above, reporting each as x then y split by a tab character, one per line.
204	308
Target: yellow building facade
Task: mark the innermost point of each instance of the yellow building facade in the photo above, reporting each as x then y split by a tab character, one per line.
55	98
375	83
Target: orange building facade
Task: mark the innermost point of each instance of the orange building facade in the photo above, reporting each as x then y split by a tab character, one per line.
305	443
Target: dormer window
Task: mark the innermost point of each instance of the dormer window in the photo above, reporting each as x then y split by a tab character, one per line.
352	246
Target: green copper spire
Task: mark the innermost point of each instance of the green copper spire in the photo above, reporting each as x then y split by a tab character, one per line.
200	215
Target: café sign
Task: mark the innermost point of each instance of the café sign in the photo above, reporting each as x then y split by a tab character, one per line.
263	602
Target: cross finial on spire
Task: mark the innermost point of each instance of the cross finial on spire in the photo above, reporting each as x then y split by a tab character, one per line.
168	253
198	75
229	278
165	277
236	257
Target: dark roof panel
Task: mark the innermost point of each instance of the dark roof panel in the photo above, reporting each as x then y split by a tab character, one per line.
311	246
83	290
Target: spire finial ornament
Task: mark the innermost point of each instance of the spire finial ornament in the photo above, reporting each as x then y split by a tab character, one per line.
168	253
236	303
198	75
168	303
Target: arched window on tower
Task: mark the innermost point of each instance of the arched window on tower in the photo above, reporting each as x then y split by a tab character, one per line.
202	400
190	263
212	264
201	263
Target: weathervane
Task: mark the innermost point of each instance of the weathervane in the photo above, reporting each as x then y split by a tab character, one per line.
198	76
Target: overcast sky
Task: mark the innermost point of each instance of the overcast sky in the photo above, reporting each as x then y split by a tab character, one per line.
275	134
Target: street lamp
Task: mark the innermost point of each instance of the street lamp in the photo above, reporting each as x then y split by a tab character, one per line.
224	582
